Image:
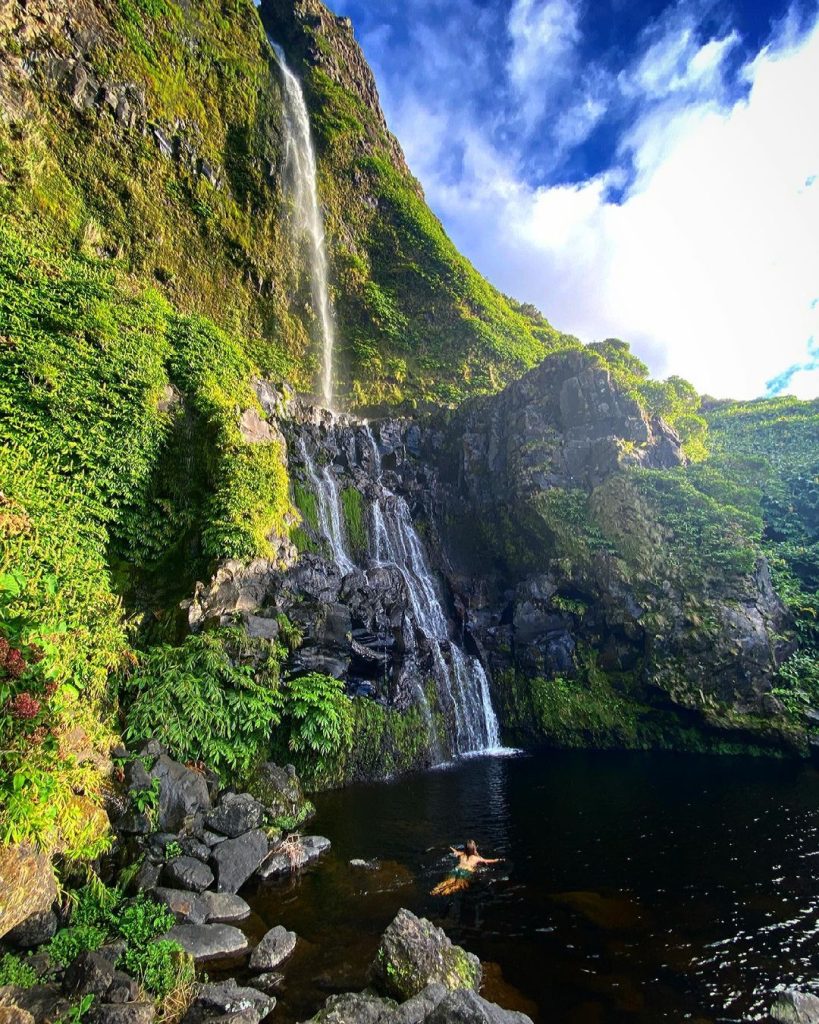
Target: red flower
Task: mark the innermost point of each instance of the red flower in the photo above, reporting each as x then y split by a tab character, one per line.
4	650
35	655
15	663
39	734
51	688
24	706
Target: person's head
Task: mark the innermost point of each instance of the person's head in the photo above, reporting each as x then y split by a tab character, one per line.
471	848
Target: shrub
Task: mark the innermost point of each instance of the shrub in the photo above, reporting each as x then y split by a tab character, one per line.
143	919
161	966
15	971
203	702
68	943
317	724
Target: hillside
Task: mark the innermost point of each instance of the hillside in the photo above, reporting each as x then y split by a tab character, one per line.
528	539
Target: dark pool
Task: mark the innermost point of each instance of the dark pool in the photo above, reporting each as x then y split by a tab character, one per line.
636	888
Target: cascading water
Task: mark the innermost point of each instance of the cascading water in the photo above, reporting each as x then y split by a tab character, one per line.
395	541
307	222
327	505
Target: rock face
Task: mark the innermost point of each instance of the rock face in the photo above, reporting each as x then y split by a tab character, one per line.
27	885
414	953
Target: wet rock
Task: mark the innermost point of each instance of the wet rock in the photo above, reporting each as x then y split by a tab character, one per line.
34	931
236	814
208	941
227	998
146	877
187	873
419	1007
123	989
285	862
467	1007
275	947
794	1007
27	885
183	792
236	860
268	982
355	1008
414	953
223	906
193	847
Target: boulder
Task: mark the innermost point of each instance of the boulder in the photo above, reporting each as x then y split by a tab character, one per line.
208	941
15	1015
223	906
183	792
282	862
226	998
464	1006
236	860
187	906
43	1002
34	931
90	974
120	1013
123	989
794	1007
268	982
279	790
419	1007
355	1008
275	947
414	953
27	885
187	873
236	814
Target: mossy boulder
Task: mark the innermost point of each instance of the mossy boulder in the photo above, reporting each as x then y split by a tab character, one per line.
414	953
27	884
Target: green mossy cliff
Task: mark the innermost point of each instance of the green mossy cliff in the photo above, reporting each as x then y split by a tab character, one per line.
155	317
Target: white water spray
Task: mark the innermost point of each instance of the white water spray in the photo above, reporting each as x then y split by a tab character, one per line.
306	221
325	489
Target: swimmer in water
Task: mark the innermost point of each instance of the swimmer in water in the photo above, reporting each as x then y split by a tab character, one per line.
469	860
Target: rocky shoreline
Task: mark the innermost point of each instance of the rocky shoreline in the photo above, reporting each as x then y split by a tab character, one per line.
183	851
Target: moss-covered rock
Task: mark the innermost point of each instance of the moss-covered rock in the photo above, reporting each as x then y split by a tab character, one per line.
414	953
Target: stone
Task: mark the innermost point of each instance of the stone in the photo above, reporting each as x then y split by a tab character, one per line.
465	1006
794	1007
89	974
236	860
282	862
420	1006
236	814
275	947
146	877
355	1008
187	873
15	1015
43	1002
186	905
27	885
228	998
193	847
183	792
34	931
121	1013
268	982
223	906
414	953
208	941
123	988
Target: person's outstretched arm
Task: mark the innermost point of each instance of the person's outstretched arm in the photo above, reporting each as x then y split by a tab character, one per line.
491	860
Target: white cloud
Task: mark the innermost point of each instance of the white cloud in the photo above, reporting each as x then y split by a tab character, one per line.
710	267
544	35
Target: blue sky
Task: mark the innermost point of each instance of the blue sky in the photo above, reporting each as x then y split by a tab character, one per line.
646	170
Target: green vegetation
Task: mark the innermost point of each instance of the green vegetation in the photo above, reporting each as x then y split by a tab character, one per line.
773	443
317	729
207	700
14	970
92	476
355	521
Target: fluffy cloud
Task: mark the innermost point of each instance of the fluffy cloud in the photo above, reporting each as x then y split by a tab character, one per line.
710	264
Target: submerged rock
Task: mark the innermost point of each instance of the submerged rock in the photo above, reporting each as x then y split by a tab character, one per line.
226	998
414	953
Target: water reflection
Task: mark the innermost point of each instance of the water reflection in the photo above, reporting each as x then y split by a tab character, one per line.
636	888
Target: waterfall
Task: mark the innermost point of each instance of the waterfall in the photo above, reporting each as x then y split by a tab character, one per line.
328	505
395	541
307	222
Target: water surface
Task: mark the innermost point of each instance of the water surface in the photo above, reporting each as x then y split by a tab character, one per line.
636	887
